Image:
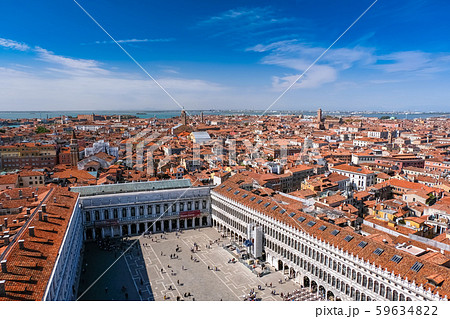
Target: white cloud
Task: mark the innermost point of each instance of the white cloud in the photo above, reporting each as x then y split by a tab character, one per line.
137	41
241	24
414	61
292	54
10	44
295	55
63	82
314	78
70	65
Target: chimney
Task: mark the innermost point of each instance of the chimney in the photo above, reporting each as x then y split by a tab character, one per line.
5	222
32	194
20	194
6	239
2	288
40	214
31	231
28	211
4	268
36	197
54	199
22	244
44	208
45	218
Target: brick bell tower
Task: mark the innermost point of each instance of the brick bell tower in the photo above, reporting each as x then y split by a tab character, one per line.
74	150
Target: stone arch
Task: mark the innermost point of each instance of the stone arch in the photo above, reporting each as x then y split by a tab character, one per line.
389	293
382	290
322	291
292	273
313	286
330	295
395	295
280	264
306	281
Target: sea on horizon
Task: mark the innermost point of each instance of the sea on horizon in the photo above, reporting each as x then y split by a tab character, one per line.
13	115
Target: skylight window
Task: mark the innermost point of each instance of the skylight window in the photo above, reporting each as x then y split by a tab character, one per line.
266	204
291	214
396	258
244	195
236	192
274	207
300	219
311	223
417	266
323	227
335	232
362	244
259	201
348	238
282	211
252	198
378	251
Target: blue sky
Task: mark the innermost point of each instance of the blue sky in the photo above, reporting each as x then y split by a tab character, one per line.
224	55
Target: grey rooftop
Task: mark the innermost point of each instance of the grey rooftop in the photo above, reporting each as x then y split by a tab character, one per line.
131	187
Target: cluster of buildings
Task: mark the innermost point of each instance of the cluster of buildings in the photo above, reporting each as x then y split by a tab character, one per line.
357	208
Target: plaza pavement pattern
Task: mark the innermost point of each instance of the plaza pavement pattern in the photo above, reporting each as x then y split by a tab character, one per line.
183	275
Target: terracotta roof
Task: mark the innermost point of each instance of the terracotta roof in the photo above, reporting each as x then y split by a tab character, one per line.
29	269
403	268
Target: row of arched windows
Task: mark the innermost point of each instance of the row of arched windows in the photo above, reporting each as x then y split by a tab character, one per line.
274	239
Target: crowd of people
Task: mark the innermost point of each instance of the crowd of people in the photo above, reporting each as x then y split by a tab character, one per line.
302	294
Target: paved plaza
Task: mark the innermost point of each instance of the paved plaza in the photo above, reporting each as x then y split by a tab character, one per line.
148	272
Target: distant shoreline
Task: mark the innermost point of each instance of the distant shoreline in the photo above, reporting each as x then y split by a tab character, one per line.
13	115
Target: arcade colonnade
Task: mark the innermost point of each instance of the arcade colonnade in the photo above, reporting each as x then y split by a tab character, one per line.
331	272
127	214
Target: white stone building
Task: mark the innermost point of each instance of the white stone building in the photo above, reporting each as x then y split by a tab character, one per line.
118	210
335	262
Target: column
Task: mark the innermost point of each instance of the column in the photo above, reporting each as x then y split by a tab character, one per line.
154	210
170	225
178	223
112	231
162	225
103	232
129	229
177	207
185	223
93	233
120	230
154	227
145	210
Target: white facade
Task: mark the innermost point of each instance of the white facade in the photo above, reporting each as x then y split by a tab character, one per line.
101	146
358	180
118	214
63	281
336	274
